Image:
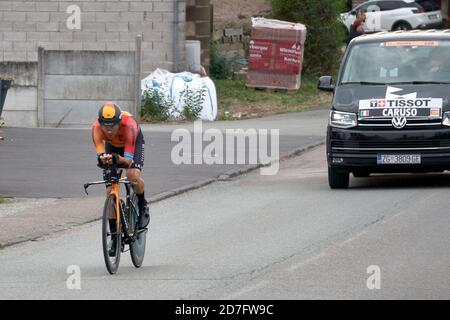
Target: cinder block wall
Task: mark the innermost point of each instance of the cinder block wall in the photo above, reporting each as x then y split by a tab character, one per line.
20	107
199	25
110	25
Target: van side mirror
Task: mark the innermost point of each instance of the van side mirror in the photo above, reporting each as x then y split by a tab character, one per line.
325	84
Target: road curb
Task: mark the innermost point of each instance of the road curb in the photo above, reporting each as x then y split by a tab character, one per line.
232	173
36	236
177	191
299	151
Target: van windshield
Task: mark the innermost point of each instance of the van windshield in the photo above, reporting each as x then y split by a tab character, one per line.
398	62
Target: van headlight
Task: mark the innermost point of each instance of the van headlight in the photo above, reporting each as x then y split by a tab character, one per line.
446	119
343	120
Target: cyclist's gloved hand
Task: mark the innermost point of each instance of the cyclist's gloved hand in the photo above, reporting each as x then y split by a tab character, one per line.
105	159
99	160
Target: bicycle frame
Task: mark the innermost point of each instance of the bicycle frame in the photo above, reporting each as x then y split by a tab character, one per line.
113	180
115	191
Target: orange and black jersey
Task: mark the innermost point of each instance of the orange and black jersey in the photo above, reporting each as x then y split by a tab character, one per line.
126	138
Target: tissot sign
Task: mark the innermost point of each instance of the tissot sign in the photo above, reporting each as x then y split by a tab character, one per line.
407	106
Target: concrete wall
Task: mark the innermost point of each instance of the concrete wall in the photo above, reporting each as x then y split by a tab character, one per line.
20	109
110	25
75	85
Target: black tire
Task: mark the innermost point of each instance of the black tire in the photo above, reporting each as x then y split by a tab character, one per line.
137	247
112	263
402	25
338	179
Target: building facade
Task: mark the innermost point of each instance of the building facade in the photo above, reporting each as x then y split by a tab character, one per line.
100	25
107	27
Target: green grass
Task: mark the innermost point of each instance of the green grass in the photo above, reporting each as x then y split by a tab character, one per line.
237	101
4	201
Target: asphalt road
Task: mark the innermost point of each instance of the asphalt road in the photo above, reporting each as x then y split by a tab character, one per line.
286	236
55	163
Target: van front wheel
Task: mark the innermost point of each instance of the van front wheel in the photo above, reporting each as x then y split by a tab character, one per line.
338	179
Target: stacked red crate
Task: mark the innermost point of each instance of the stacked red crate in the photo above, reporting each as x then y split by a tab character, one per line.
275	54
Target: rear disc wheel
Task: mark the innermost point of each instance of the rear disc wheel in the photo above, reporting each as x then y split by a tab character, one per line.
137	247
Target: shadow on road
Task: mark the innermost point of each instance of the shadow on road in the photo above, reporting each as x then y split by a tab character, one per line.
401	181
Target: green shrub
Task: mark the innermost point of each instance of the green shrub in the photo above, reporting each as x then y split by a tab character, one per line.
220	67
156	106
325	33
193	102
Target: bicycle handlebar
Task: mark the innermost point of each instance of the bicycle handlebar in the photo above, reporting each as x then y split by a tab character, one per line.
113	166
112	179
122	180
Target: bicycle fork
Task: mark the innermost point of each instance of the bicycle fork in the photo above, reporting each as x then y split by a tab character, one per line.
115	191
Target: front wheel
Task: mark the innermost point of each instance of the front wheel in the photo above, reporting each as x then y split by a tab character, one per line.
401	26
137	247
338	179
111	239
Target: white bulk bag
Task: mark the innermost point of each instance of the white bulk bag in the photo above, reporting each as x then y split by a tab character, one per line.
173	85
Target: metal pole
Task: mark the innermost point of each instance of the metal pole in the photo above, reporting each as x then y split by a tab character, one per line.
137	68
175	47
40	92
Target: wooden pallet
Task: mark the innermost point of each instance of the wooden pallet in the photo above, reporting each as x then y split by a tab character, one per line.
274	90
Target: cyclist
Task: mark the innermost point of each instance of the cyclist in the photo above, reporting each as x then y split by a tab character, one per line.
118	139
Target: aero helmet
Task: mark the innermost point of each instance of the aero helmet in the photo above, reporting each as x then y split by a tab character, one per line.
109	114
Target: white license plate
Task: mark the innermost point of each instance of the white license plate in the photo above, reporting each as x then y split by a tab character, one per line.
433	17
399	159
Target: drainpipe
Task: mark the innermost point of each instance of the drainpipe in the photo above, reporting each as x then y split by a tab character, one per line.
175	47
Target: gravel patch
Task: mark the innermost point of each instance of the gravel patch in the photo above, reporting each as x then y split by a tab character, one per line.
17	206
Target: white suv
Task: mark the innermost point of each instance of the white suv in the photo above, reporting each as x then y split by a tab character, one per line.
391	15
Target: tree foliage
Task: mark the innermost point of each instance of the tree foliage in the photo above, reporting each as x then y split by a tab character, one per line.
325	33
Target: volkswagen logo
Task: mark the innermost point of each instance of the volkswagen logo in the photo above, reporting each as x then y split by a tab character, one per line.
399	122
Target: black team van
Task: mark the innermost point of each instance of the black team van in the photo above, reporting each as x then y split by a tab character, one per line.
390	111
